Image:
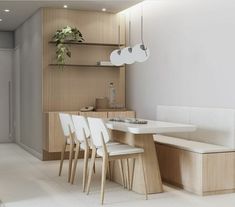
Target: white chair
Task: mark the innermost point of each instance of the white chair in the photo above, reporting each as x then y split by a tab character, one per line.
100	137
68	130
82	135
82	141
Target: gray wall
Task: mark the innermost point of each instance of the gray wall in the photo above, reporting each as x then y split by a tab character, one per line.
192	55
28	38
6	39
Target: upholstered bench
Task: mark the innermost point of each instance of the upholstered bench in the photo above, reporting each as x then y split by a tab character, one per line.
201	162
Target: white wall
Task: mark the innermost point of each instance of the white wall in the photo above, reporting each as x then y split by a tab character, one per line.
192	60
28	38
6	39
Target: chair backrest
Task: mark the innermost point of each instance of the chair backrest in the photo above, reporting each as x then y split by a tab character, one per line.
82	130
98	128
214	125
66	124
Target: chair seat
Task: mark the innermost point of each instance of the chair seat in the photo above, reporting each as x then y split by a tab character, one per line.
120	149
193	146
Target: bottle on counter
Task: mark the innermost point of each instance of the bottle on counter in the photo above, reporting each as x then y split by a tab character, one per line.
112	95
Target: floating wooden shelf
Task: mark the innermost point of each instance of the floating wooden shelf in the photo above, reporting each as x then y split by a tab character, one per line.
90	66
90	43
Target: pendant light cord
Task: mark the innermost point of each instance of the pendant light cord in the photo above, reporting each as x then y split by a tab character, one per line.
130	46
142	30
142	24
119	35
119	38
130	29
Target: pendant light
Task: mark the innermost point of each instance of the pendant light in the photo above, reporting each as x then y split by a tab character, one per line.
127	53
141	52
116	58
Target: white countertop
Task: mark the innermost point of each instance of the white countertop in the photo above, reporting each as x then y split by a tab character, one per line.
152	127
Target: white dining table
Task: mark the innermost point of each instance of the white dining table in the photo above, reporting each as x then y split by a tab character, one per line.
141	135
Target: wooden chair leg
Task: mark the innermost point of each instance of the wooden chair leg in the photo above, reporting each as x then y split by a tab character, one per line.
109	170
75	163
144	175
128	174
104	172
62	158
94	168
122	173
132	175
85	163
92	162
70	160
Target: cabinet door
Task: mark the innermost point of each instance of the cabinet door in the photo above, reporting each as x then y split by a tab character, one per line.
121	114
6	96
55	137
102	115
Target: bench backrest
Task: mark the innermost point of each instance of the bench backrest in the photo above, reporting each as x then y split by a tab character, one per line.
214	125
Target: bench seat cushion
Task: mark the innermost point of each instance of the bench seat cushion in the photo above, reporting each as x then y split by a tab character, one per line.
193	146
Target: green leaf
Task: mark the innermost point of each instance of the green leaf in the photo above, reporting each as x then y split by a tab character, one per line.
62	35
68	53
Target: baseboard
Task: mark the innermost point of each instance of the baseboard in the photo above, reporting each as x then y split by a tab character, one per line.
31	151
218	192
7	140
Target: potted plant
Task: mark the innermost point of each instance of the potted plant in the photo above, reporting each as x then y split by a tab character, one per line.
63	36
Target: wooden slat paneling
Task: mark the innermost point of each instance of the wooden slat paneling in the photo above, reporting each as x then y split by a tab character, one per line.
218	171
73	88
203	174
180	167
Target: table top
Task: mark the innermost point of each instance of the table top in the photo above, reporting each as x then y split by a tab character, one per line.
152	127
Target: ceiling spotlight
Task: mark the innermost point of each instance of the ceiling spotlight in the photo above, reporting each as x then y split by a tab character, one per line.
65	6
7	10
0	20
104	9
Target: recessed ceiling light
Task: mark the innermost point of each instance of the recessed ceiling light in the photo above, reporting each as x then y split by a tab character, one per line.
0	20
7	10
104	9
65	6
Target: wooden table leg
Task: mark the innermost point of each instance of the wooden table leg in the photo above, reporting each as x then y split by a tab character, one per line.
150	161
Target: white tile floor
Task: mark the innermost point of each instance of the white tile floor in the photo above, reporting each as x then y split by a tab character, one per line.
27	182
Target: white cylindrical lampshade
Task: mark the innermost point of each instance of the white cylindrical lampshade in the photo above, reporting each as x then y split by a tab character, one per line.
116	58
127	55
141	53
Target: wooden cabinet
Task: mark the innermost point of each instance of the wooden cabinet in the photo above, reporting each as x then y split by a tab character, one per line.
121	114
54	138
109	114
95	114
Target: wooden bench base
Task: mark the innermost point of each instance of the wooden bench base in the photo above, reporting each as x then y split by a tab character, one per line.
202	174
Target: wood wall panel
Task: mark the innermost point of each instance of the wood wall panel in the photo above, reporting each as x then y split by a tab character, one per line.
181	168
219	172
203	174
72	88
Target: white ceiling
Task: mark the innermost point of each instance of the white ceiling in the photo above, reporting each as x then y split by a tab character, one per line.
21	10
